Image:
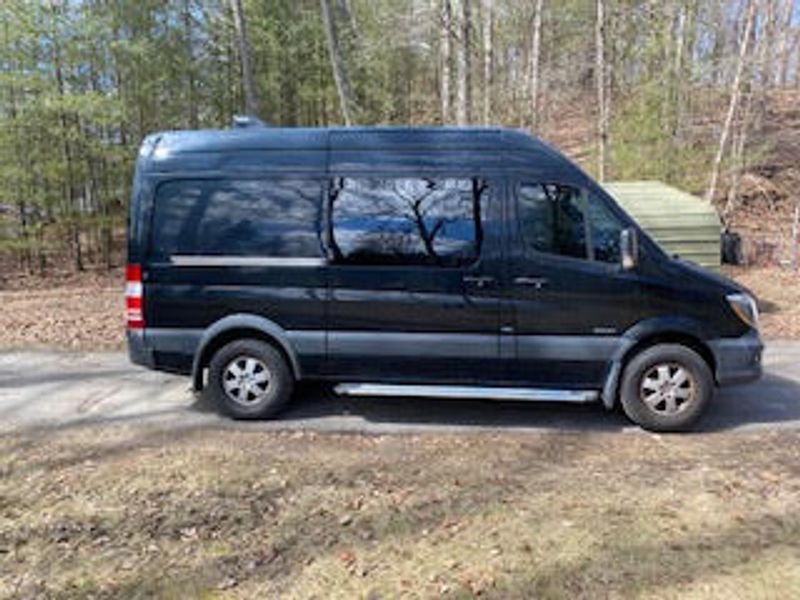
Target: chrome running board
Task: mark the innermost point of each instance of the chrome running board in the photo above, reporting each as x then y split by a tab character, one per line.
466	392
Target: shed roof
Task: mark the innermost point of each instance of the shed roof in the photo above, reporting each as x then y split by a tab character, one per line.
679	222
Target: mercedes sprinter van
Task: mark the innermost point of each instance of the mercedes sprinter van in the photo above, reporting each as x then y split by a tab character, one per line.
434	262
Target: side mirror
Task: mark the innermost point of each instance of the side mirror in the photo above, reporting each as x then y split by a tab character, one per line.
629	248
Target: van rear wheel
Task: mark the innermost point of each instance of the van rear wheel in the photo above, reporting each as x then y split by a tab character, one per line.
666	388
249	379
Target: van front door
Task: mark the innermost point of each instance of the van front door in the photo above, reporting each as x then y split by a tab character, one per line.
413	280
571	298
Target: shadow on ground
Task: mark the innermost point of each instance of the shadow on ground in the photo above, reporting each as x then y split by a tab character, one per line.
773	401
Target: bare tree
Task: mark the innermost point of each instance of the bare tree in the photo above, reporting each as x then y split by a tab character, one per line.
464	81
601	83
744	43
250	94
337	63
488	58
190	74
796	235
784	48
445	57
536	44
753	104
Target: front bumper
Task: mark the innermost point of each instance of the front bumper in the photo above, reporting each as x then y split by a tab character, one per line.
738	360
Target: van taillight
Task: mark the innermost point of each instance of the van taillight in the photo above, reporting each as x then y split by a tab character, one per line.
134	297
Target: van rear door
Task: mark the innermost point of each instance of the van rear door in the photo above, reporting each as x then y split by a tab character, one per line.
236	245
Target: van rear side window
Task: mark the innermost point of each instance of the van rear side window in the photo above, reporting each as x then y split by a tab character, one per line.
407	221
219	217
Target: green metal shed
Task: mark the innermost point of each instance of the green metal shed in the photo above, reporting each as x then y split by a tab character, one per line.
679	222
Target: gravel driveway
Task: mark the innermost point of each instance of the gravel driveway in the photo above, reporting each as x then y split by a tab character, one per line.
64	389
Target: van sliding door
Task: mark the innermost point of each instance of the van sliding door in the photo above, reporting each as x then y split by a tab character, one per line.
413	294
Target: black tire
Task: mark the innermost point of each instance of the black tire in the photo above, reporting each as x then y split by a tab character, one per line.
666	406
261	399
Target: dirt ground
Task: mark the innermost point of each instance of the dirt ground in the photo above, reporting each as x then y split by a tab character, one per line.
85	312
136	512
778	292
75	311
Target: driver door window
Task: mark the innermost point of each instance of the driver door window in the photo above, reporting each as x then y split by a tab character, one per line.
565	221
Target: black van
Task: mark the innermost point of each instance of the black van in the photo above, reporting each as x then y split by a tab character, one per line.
437	262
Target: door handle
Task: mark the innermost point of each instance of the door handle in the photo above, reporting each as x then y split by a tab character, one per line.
536	282
480	281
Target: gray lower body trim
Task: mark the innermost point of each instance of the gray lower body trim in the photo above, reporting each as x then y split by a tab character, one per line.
433	345
590	348
466	392
311	342
138	352
177	341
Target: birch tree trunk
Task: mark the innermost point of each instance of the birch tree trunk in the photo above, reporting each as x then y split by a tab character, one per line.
754	102
600	77
337	63
677	70
466	34
536	45
463	95
734	101
784	44
488	54
250	94
445	58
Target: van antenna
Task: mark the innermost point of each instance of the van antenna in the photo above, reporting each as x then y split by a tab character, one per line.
241	121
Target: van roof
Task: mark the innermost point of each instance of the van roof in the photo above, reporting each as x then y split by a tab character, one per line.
350	138
258	149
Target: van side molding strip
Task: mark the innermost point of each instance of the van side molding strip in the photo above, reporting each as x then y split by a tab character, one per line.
181	260
467	392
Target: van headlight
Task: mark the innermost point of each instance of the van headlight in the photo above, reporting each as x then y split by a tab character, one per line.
745	307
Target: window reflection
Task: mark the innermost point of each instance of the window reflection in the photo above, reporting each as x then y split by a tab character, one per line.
406	221
277	217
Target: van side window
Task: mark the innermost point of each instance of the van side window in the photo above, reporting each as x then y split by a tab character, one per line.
275	217
559	219
406	221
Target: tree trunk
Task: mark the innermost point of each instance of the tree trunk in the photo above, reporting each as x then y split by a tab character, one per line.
190	75
600	80
250	93
734	102
796	235
71	210
488	54
536	44
677	70
445	58
784	51
337	63
463	92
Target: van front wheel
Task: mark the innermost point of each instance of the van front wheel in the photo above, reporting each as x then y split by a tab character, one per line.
249	379
666	388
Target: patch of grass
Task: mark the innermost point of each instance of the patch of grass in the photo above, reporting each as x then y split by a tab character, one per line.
132	512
